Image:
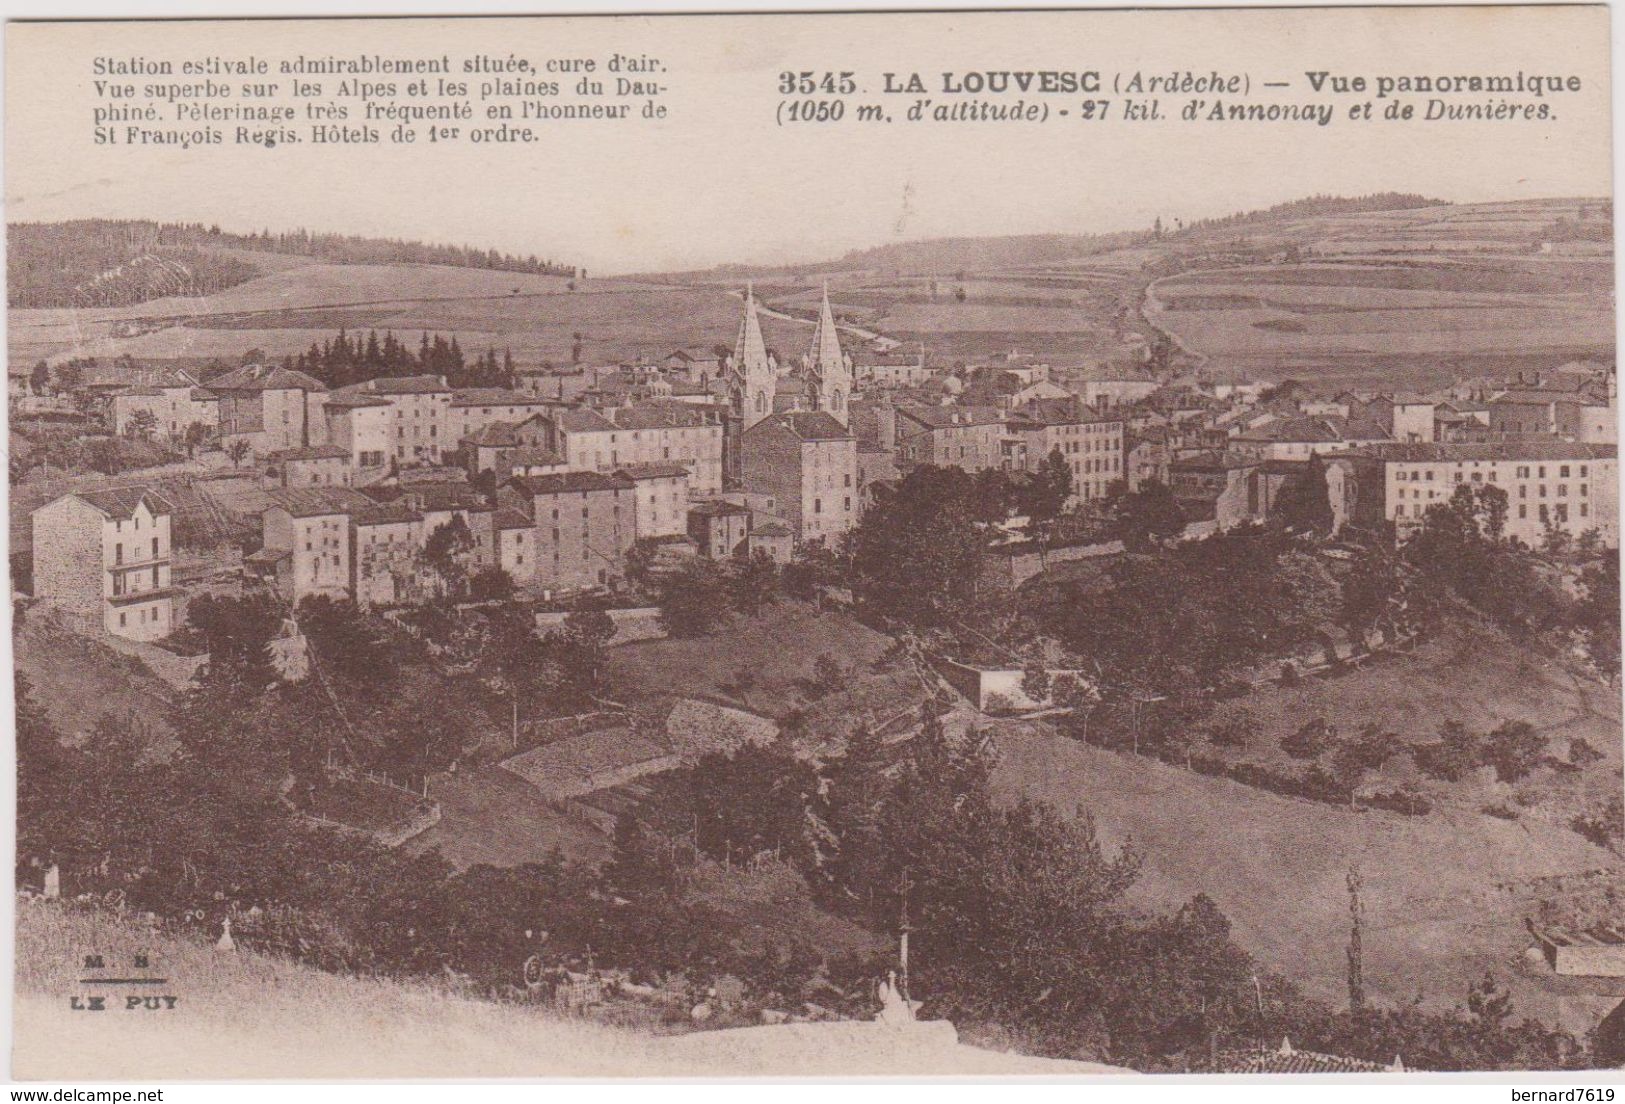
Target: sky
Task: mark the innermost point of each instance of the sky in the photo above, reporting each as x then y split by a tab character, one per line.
720	180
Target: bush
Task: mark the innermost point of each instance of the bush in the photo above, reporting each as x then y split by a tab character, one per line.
1456	753
1310	740
1581	752
1399	801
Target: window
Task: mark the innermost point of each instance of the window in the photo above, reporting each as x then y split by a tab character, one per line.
1523	511
1583	509
1563	472
818	505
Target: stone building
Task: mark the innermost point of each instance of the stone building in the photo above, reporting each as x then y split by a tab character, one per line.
103	556
584	522
807	463
270	408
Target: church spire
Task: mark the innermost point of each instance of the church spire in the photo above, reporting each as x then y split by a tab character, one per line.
828	373
750	373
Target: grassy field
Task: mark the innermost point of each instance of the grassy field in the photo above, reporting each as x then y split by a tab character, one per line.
79	681
1468	674
488	815
1375	295
1445	895
778	649
238	1015
284	312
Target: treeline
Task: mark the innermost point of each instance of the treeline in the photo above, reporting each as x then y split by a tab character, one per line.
1311	206
103	262
91	263
344	360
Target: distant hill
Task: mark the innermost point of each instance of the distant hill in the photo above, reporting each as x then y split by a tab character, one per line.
115	263
955	257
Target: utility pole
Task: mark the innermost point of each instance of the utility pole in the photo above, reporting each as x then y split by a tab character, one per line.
903	928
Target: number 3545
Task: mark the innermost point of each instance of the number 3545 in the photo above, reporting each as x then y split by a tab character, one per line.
806	83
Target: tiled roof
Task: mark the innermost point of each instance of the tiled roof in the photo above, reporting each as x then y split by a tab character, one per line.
406	385
313	452
535	457
349	398
572	482
581	420
493	396
1296	430
1071	411
947	417
652	471
511	519
718	509
443	496
1285	1059
658	415
320	501
1537	450
203	394
809	425
260	377
385	513
493	435
121	502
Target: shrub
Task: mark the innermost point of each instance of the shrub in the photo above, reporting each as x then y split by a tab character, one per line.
1310	740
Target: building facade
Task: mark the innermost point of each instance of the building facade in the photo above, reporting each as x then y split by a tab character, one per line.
807	463
104	556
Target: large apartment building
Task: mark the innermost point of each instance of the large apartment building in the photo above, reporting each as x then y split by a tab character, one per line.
968	437
807	462
1091	443
1570	486
584	524
104	556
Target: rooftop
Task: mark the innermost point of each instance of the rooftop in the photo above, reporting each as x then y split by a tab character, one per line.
406	385
809	425
493	396
946	417
572	482
312	452
654	470
262	377
121	502
1540	449
319	501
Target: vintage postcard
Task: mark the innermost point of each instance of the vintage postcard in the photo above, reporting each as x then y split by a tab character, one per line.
979	543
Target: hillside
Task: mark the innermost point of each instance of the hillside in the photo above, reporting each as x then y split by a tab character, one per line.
282	313
239	1015
1375	291
106	262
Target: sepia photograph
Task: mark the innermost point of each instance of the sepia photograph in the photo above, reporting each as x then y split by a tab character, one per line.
979	544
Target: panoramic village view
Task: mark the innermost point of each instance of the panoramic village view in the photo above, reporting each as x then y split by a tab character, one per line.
1193	649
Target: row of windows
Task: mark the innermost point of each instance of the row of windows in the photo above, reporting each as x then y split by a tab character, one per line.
118	550
156	615
1559	510
1523	472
